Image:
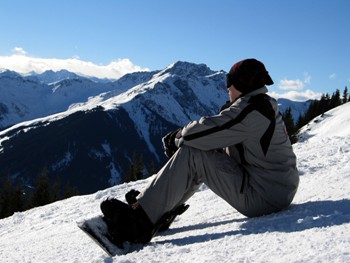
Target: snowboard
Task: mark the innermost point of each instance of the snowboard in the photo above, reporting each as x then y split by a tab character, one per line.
96	229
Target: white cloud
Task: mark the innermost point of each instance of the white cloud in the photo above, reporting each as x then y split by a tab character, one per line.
297	95
22	63
332	76
286	84
19	51
294	90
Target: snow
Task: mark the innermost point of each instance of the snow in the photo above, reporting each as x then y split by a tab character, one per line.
115	175
314	229
68	157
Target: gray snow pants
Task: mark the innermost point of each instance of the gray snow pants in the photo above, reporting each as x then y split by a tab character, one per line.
184	173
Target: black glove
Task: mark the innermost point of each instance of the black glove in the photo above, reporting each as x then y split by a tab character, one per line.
169	142
131	196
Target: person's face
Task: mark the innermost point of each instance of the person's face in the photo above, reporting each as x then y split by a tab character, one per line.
233	93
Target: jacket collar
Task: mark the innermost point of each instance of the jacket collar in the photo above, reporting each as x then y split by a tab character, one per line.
262	90
256	92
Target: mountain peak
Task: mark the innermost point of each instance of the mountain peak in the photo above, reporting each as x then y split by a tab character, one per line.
9	73
50	76
188	68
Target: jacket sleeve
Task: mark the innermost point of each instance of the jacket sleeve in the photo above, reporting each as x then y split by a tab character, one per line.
215	132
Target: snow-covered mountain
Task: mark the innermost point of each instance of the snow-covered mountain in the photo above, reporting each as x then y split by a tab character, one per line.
92	144
38	95
51	76
30	97
314	229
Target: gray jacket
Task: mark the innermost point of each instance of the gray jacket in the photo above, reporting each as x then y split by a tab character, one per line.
252	132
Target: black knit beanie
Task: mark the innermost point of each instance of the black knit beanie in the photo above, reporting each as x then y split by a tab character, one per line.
248	75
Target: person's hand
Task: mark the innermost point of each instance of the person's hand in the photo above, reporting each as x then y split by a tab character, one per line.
169	142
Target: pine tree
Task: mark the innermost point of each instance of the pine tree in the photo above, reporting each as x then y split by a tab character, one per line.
300	122
41	195
289	122
10	199
151	169
345	95
70	191
136	169
324	104
335	99
130	176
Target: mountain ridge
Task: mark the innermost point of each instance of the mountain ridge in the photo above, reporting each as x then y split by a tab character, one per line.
128	116
27	97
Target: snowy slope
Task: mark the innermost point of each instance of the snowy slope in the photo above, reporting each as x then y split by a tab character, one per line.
314	229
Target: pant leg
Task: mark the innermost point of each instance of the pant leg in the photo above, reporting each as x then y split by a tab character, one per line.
228	180
175	182
181	176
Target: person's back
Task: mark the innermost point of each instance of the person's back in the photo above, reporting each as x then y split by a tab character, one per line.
267	153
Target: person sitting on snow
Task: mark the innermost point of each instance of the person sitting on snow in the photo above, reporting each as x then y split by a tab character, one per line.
243	155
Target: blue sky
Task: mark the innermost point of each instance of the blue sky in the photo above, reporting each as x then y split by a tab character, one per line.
303	43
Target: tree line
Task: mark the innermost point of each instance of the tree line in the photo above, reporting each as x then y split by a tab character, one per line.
138	170
316	108
16	197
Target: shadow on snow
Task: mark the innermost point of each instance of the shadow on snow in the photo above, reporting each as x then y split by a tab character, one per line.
298	217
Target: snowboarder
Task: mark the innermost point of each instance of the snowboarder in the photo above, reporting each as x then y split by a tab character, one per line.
243	154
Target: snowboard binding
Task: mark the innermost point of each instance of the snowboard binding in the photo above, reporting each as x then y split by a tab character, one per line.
166	220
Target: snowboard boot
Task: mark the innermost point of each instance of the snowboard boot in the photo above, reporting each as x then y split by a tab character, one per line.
166	220
127	223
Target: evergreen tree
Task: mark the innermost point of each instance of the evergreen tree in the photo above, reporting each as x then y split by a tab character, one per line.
289	122
10	199
345	95
41	195
136	169
312	111
323	104
335	99
300	122
152	169
70	191
14	197
55	190
130	176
